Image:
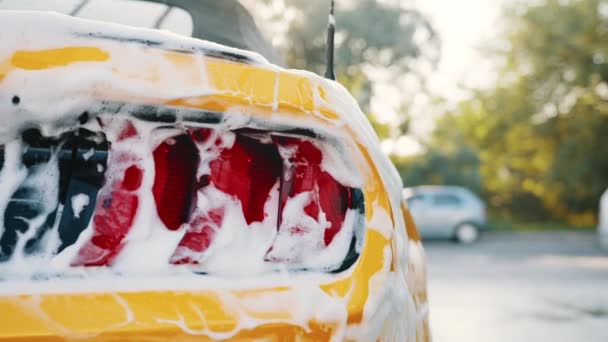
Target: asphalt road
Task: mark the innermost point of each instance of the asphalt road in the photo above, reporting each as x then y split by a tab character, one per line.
550	286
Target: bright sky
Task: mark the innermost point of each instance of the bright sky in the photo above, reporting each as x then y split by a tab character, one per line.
463	25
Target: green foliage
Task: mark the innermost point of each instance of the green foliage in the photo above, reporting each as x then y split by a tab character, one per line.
541	133
369	32
459	167
371	36
497	223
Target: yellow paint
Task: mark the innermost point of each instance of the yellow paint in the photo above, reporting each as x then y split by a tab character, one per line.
5	68
53	58
242	83
377	192
328	113
233	82
103	315
416	271
410	226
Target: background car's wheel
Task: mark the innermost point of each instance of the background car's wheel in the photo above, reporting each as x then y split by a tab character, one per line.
466	233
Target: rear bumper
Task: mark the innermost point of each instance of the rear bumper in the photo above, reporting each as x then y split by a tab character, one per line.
308	310
356	304
165	315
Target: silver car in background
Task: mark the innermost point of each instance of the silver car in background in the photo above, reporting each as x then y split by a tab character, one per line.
446	212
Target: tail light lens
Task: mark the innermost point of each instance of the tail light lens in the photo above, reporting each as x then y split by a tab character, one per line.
117	204
313	204
175	161
247	171
203	179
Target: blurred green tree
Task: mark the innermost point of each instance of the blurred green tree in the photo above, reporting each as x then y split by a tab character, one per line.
541	132
457	167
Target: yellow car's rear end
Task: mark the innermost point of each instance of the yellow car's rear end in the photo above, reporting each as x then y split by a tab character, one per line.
189	191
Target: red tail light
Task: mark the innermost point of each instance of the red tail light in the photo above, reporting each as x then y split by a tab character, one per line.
175	161
251	168
325	203
306	175
116	207
117	204
247	171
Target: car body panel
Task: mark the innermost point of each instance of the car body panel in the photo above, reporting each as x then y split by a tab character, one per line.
602	227
383	296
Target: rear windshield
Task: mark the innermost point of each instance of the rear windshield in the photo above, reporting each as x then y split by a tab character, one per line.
149	14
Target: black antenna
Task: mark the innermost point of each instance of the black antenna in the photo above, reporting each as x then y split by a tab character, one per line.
331	32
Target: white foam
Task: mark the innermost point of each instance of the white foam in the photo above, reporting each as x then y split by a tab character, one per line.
238	248
88	154
79	202
43	185
12	174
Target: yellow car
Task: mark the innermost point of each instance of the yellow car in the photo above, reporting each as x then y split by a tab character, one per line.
162	188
